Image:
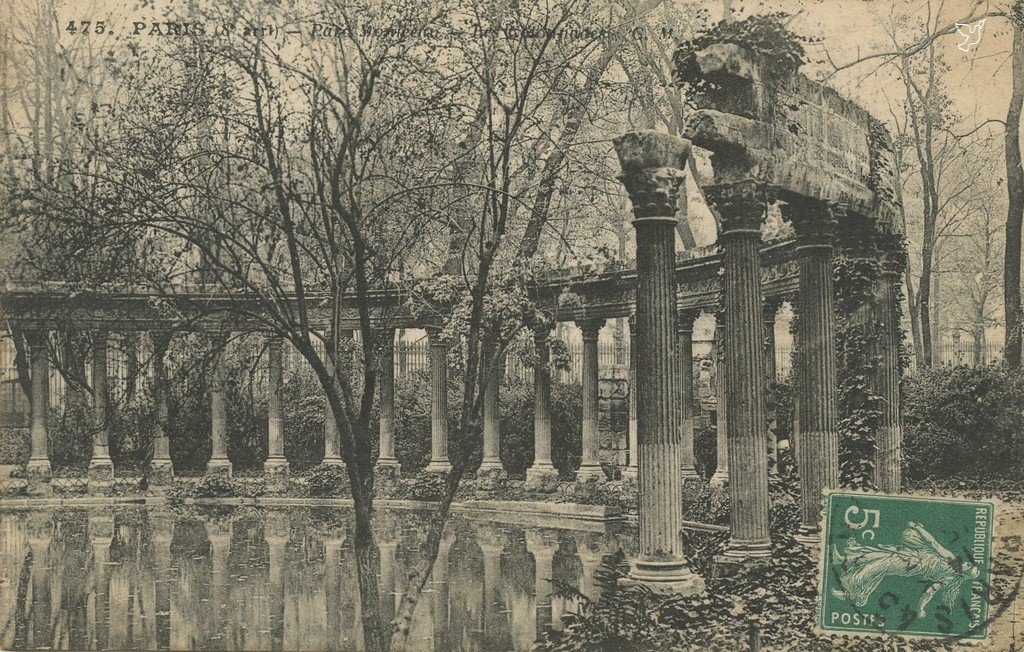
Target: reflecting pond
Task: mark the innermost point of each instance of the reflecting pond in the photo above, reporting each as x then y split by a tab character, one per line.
137	577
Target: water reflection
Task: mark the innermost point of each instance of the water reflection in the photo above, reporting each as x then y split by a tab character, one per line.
142	578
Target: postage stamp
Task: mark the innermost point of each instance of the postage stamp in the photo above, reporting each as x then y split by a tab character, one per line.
906	565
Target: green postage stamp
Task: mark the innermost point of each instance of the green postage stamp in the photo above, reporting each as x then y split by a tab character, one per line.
904	565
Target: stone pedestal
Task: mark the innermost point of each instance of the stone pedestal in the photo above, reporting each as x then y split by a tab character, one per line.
742	207
653	167
439	462
590	466
386	460
161	470
542	474
817	445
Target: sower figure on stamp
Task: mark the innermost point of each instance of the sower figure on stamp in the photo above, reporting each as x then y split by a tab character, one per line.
863	568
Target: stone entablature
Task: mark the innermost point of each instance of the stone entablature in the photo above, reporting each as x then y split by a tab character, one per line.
796	136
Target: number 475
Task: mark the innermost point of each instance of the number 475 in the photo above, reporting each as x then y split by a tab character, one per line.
99	27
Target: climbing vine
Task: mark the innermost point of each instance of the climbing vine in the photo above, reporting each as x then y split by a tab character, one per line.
858	332
765	35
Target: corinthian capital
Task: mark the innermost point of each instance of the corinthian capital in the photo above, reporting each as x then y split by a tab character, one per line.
653	166
741	205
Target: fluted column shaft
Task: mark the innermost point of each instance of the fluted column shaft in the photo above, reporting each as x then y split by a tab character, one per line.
492	407
590	465
386	443
542	474
439	461
276	465
652	171
742	208
889	434
39	460
685	355
817	443
332	437
219	463
161	469
100	443
721	474
632	467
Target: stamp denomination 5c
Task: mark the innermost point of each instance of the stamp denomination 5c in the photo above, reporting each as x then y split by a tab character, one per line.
902	565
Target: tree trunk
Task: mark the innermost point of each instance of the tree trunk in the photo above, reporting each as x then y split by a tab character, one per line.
1015	210
915	317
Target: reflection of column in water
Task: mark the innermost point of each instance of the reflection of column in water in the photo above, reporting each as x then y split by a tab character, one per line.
101	529
39	534
15	550
491	546
590	555
162	529
332	559
74	558
307	597
275	531
388	548
439	606
219	535
542	546
516	593
119	586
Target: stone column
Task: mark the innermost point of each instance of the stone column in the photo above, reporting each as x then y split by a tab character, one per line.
742	207
386	444
161	469
721	475
653	167
219	463
770	310
439	462
630	472
590	466
542	545
101	467
542	474
332	438
275	468
492	368
889	434
817	445
685	337
38	466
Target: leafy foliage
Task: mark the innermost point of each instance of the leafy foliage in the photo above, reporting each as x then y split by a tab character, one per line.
963	423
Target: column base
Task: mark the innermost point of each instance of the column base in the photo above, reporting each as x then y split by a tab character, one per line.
388	461
720	478
101	470
161	472
664	577
590	473
808	536
438	466
542	478
220	466
739	551
38	474
334	461
275	468
631	473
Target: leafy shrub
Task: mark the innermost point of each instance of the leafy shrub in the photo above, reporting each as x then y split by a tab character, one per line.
70	433
517	441
328	481
215	486
963	422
